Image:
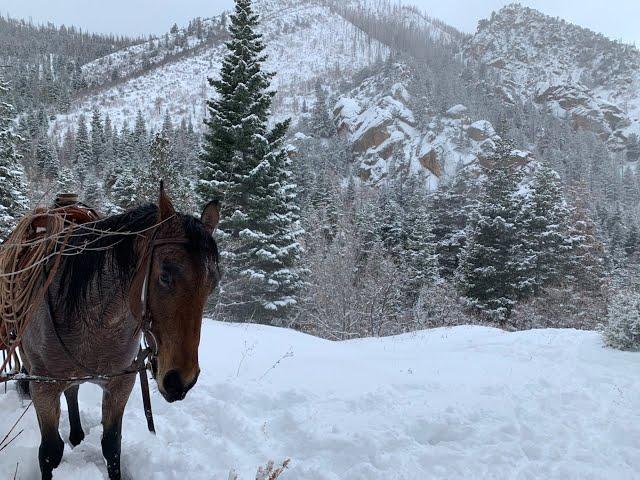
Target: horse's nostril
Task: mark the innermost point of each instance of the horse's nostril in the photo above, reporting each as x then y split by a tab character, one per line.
173	385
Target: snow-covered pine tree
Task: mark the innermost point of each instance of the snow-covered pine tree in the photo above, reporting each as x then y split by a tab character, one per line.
67	181
449	207
93	193
13	201
83	152
490	269
321	124
124	192
97	138
244	164
545	216
140	140
47	158
419	249
162	167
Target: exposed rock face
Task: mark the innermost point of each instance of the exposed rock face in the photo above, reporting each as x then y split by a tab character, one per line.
570	71
376	118
480	130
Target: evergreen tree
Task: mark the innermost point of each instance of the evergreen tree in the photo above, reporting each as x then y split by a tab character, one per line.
321	124
419	249
246	165
490	271
47	158
83	152
12	188
162	167
67	181
124	192
97	138
449	207
622	329
545	216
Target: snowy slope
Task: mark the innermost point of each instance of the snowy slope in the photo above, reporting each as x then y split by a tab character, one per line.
573	72
462	403
305	41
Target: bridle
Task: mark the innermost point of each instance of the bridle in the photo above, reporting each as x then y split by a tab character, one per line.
149	339
146	318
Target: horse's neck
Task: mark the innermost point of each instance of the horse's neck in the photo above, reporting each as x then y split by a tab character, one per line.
107	304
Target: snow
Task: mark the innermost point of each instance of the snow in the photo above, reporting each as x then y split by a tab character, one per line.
462	403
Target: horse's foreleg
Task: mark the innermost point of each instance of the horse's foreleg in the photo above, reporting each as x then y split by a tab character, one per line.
46	400
115	397
77	434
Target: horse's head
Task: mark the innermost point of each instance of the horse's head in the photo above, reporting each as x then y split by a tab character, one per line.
182	273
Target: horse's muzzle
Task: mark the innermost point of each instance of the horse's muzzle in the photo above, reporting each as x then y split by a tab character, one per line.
173	387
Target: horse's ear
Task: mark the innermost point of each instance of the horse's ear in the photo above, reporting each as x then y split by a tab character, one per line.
165	207
211	216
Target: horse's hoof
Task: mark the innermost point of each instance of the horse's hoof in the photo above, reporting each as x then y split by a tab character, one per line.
76	438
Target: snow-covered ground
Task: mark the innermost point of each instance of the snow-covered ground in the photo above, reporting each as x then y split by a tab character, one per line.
462	403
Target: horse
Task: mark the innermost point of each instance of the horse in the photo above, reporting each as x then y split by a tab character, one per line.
149	264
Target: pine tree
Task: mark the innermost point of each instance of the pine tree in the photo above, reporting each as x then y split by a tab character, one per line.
13	201
47	158
449	207
83	152
246	165
67	182
490	271
97	138
124	192
321	124
545	216
419	254
163	167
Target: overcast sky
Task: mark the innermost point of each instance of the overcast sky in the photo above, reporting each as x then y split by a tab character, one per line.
618	19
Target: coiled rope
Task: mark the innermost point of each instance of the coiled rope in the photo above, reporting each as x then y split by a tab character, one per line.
38	238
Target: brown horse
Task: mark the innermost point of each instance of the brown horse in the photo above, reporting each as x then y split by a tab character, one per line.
153	263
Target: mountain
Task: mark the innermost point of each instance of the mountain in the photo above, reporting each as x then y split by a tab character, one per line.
306	41
341	44
567	70
404	87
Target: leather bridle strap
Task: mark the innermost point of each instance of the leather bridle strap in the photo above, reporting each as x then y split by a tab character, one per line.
146	321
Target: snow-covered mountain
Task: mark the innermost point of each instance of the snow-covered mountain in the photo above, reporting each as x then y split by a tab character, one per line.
378	119
306	40
571	71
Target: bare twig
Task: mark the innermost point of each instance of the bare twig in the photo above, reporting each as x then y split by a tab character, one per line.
4	443
289	354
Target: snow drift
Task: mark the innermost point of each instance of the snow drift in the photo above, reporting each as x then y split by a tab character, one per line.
463	403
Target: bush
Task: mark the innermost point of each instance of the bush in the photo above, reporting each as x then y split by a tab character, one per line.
622	330
270	472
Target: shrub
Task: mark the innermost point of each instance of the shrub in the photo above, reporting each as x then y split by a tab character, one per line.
622	330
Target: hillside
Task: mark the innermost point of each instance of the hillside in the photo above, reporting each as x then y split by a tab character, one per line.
305	39
570	71
43	62
464	403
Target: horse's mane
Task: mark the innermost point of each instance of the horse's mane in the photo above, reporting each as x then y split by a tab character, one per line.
80	272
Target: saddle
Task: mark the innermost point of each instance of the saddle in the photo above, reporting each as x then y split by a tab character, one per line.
27	246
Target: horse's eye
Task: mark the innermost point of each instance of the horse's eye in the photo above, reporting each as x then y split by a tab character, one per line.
165	278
